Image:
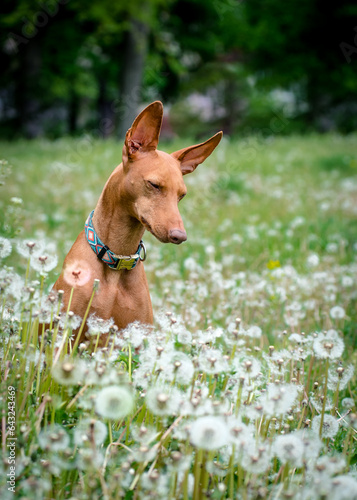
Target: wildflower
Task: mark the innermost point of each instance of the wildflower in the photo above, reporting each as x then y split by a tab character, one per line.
247	367
256	459
177	366
90	431
254	332
340	377
5	247
289	448
330	426
28	247
43	264
184	336
311	443
77	273
330	465
313	260
98	325
90	458
211	361
343	488
337	312
328	345
54	438
348	403
114	402
163	400
68	372
209	433
278	399
16	201
347	281
241	435
136	333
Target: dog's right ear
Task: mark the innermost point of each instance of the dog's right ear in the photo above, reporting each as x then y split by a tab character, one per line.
143	136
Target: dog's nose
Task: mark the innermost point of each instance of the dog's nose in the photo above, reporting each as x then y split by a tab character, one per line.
177	236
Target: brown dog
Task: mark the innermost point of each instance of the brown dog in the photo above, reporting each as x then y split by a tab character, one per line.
142	193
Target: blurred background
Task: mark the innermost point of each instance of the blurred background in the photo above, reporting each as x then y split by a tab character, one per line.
254	66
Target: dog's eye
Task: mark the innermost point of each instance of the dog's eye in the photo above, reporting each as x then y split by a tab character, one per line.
182	196
154	185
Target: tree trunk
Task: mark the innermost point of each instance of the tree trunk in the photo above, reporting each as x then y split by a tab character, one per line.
135	49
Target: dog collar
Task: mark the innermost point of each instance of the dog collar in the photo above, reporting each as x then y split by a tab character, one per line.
103	253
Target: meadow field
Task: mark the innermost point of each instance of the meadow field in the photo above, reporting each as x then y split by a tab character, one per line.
244	389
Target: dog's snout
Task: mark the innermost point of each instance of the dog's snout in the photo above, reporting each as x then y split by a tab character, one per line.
177	236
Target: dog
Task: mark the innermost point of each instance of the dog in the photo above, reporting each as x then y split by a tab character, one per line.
141	194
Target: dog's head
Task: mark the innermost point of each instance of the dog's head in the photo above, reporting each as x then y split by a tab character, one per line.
154	180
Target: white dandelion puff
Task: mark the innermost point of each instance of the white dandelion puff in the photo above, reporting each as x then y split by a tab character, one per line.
289	448
209	433
69	372
211	361
5	247
337	312
43	264
54	438
98	325
328	345
343	487
279	399
163	401
90	431
256	459
330	426
114	402
339	377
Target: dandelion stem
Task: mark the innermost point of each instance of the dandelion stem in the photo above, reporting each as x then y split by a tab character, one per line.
76	342
325	397
197	474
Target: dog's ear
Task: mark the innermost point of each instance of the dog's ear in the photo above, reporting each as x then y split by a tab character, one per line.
192	156
143	136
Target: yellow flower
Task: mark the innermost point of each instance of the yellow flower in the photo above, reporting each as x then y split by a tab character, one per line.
272	264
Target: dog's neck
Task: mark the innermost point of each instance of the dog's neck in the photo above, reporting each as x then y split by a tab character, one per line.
112	221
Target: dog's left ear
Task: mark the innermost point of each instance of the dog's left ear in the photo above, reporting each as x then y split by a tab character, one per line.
192	156
143	135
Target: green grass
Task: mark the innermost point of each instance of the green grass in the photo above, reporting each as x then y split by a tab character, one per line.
272	240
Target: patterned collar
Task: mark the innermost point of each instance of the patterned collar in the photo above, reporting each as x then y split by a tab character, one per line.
103	253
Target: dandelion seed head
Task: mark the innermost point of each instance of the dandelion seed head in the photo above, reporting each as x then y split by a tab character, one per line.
211	361
343	487
337	312
247	366
256	459
68	372
90	431
279	399
209	433
348	403
163	400
136	333
330	426
289	448
54	438
330	465
114	402
98	325
340	377
328	345
5	247
43	264
90	459
77	273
